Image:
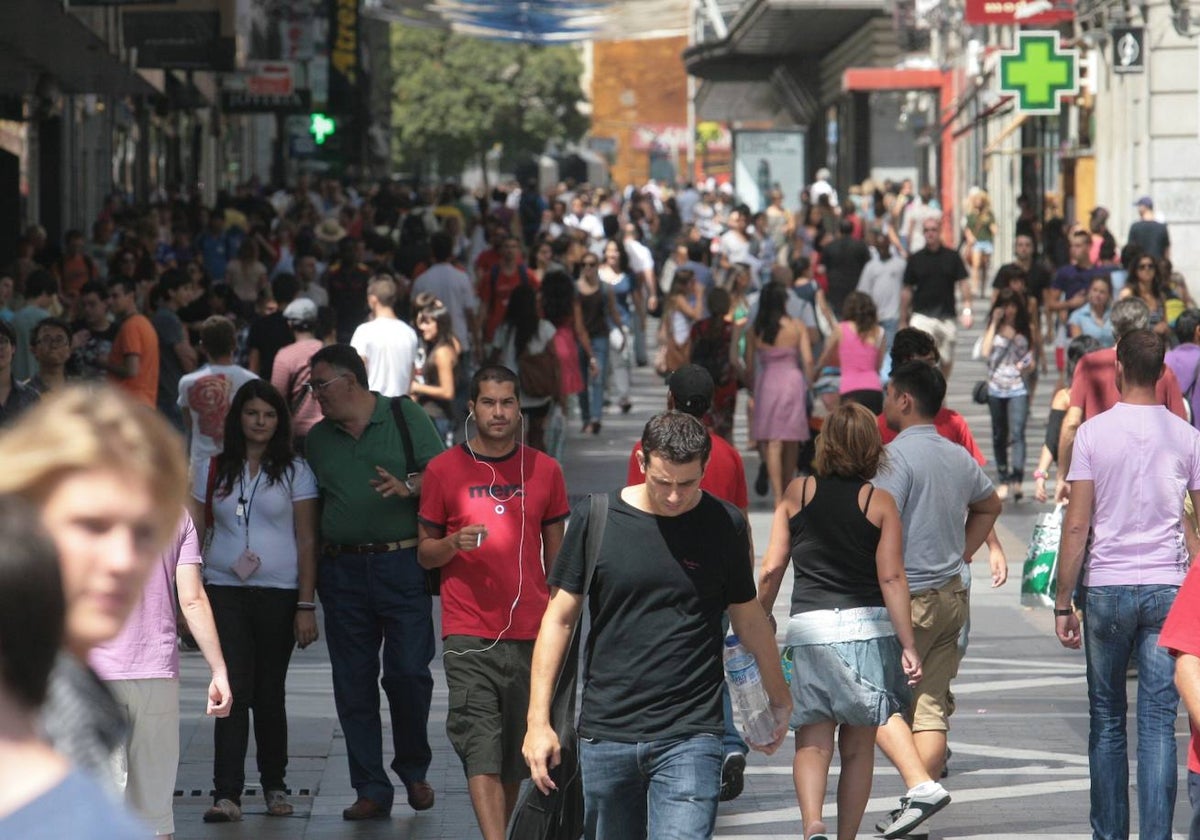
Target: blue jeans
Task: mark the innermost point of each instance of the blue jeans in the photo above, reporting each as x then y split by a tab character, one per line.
662	789
1008	435
1119	620
592	403
890	327
1194	798
369	600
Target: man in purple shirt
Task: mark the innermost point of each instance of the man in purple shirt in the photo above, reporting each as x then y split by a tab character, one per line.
1131	467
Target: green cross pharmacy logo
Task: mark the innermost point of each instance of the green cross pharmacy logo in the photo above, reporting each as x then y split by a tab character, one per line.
1039	73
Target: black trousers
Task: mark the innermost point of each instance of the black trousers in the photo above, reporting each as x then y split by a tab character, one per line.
256	626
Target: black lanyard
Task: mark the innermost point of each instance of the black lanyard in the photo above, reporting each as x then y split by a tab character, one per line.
244	505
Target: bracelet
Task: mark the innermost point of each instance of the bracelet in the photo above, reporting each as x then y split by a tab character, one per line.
1042	474
966	310
305	606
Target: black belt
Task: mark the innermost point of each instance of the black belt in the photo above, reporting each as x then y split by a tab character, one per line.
369	548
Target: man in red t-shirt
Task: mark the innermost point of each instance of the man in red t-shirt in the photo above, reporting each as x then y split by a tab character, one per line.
492	517
690	390
1180	635
1094	387
497	286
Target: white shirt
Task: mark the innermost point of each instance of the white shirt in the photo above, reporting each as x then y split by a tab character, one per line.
390	347
316	293
205	395
640	257
267	522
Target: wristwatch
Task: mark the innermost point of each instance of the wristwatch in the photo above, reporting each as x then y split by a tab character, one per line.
411	485
1064	613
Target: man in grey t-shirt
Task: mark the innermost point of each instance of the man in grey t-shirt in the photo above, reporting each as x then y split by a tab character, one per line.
938	487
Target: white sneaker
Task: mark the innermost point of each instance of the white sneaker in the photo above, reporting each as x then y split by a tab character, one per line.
914	810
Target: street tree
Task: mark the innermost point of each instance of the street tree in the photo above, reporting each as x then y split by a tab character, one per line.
456	98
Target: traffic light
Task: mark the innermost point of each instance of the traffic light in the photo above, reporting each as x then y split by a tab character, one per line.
321	127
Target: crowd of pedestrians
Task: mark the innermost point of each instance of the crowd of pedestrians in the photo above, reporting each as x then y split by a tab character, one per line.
324	401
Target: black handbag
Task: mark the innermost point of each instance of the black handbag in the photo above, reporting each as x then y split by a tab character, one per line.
980	392
558	815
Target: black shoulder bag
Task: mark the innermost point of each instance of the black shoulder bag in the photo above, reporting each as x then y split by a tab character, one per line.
433	577
559	814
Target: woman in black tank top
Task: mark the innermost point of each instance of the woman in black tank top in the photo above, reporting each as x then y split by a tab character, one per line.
850	632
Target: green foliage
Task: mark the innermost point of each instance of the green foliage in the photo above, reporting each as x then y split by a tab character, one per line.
456	97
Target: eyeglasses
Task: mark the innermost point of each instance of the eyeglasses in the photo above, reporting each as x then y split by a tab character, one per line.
53	341
316	387
1145	265
590	263
930	230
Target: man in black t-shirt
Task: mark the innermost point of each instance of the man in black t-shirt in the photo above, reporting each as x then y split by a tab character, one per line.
271	333
1150	233
927	297
844	259
671	560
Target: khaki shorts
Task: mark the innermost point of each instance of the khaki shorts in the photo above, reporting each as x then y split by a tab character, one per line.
943	330
937	616
489	699
148	760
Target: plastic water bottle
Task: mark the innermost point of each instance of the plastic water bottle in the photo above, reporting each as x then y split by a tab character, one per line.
751	707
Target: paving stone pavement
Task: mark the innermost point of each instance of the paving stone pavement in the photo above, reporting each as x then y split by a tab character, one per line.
1019	737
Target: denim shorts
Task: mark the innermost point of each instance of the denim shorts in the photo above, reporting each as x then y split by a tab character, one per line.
846	668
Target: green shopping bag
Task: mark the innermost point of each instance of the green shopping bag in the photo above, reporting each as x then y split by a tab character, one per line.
1038	579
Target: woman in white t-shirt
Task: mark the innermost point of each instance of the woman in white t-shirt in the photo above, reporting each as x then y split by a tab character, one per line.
260	574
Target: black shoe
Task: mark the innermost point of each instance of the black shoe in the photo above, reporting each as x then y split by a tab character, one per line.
733	780
762	483
626	407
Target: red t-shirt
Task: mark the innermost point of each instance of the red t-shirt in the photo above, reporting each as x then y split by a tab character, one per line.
1094	388
478	586
1181	634
494	296
950	425
724	475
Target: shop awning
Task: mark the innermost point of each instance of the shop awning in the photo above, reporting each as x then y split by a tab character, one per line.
540	21
39	38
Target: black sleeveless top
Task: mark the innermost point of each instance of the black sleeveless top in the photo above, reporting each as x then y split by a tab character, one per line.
833	549
593	308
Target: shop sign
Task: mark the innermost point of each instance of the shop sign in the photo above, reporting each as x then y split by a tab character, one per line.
1129	49
1028	12
1039	73
344	65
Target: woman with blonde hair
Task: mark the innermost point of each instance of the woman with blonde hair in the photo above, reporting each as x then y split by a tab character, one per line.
980	234
850	631
109	480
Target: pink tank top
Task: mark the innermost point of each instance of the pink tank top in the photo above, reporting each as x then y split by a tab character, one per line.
858	362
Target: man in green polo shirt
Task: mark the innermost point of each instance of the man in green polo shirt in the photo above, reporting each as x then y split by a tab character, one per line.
372	590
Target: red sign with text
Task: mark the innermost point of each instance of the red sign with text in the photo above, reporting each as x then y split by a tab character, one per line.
1038	12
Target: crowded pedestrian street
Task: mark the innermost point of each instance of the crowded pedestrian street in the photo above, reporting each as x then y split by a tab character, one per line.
1018	768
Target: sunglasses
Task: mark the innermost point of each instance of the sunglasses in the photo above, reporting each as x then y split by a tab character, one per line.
590	264
1145	265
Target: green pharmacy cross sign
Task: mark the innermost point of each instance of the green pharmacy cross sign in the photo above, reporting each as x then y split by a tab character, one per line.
1038	73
